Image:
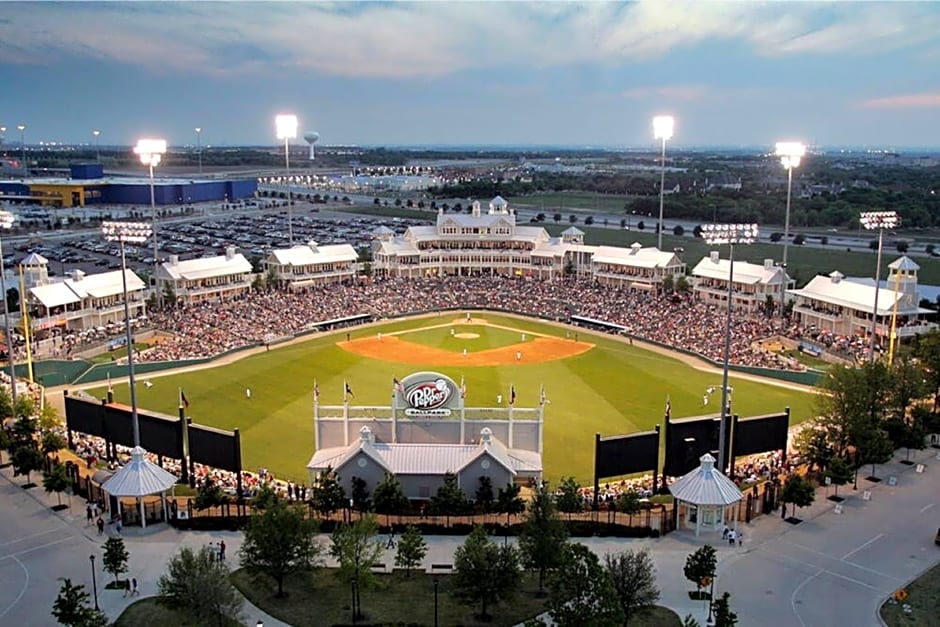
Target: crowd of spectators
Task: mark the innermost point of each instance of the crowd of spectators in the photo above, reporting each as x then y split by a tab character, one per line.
675	320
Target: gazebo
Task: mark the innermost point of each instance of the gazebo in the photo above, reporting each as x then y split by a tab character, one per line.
140	478
704	495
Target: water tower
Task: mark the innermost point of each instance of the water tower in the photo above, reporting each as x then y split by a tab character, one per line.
311	138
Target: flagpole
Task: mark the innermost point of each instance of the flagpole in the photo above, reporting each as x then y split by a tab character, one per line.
463	410
512	405
395	385
345	414
316	415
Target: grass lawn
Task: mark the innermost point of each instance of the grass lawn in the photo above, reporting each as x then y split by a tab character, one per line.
657	616
148	613
117	353
807	360
321	599
613	388
923	596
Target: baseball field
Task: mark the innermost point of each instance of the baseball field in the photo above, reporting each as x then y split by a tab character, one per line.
593	383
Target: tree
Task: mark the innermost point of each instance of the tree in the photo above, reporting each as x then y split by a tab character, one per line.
852	402
115	557
689	621
634	577
449	499
799	240
556	217
874	447
700	567
839	473
210	494
582	592
356	549
669	283
678	230
543	536
640	225
326	493
572	218
484	495
682	284
724	617
813	445
71	608
412	547
797	490
569	497
484	572
51	442
509	502
628	502
198	584
389	497
26	459
279	541
360	495
56	480
928	353
5	442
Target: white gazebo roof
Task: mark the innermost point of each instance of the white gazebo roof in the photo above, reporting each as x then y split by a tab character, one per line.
706	486
139	478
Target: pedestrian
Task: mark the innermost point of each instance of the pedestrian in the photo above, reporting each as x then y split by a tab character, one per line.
731	536
127	587
88	515
135	591
100	523
391	539
213	552
221	550
499	399
347	337
248	393
465	352
740	539
724	533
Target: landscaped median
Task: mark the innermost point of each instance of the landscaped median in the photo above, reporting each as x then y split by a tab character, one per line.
915	605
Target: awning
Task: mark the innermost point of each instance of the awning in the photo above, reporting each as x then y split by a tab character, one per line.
54	295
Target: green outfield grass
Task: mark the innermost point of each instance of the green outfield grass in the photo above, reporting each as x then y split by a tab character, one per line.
489	337
613	388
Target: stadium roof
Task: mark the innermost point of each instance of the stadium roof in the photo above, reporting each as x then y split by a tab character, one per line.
858	294
205	267
312	253
139	477
54	294
706	486
713	267
637	256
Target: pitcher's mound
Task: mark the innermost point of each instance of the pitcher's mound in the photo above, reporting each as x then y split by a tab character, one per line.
466	336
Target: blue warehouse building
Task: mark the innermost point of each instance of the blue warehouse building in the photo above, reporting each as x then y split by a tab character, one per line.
87	185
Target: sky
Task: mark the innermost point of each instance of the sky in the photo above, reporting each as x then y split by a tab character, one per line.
864	74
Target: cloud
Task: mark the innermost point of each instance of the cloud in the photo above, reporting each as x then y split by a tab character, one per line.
926	100
431	39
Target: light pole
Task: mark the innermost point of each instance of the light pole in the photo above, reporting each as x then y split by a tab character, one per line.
22	129
150	152
790	154
435	602
716	235
662	129
286	125
199	147
880	220
3	135
94	581
6	223
137	233
96	133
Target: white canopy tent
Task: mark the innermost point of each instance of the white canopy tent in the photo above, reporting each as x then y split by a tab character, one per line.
140	478
707	494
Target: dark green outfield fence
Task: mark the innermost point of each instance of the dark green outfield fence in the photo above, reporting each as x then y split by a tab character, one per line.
52	372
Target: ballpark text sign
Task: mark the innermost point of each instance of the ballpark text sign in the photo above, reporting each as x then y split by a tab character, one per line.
426	394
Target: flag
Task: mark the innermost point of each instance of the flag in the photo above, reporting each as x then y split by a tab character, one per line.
183	400
347	391
396	386
463	388
316	390
512	394
668	407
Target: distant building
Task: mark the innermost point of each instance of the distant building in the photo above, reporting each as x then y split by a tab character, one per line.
205	279
752	283
311	264
724	181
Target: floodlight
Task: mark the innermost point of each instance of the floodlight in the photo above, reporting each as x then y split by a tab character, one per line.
663	127
21	127
790	153
286	125
126	232
716	234
96	132
150	151
872	220
7	219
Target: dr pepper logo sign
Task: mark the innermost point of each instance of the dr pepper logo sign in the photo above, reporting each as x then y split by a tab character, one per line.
428	395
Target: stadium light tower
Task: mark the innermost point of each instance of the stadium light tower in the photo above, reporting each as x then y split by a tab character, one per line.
716	235
123	233
199	147
662	129
6	223
880	220
286	125
150	152
96	133
790	154
22	129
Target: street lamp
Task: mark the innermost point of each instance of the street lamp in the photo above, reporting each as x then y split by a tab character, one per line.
6	223
22	129
790	154
96	133
716	235
94	580
3	135
286	125
662	129
150	152
880	220
136	233
199	147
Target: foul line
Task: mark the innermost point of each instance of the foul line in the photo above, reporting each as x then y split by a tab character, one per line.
22	592
926	507
856	550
